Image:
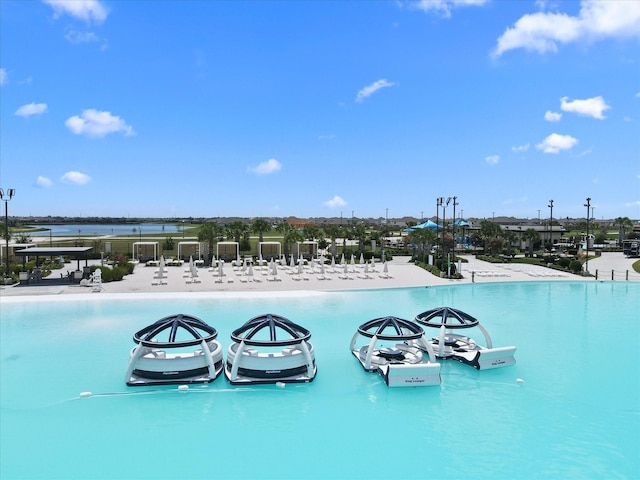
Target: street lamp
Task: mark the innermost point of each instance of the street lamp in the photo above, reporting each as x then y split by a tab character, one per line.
384	232
5	198
444	223
439	201
551	225
586	263
453	229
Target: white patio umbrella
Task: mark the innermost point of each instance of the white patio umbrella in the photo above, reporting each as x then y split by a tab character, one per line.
221	268
385	268
366	268
353	259
250	273
300	268
361	259
322	268
341	259
333	262
292	262
161	269
274	269
192	268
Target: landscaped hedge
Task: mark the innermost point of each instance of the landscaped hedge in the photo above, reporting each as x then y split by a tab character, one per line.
114	274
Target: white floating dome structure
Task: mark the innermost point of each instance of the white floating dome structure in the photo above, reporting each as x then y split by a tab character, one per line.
177	349
270	349
454	346
394	349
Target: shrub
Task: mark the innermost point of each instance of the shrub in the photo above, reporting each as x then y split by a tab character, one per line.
575	266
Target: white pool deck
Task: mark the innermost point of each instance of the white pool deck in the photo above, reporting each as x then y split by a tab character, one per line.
401	273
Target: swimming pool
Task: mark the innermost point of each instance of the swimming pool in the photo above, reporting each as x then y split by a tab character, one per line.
576	415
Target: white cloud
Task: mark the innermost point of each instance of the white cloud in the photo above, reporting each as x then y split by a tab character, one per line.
43	182
74	36
492	159
327	137
336	201
94	123
86	10
264	168
444	7
556	142
4	78
550	116
373	88
75	178
591	107
543	31
31	109
520	148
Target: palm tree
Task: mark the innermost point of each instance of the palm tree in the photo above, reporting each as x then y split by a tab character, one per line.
423	237
290	235
333	232
532	236
509	238
360	234
489	230
260	226
209	232
625	225
235	230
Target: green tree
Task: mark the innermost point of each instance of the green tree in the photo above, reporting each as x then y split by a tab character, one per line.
625	225
495	244
333	232
423	238
360	234
260	226
509	237
531	236
311	232
168	244
236	230
209	232
290	235
489	230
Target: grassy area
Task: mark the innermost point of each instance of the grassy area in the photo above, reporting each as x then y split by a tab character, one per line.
636	266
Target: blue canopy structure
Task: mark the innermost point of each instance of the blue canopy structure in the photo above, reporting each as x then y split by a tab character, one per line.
428	224
461	223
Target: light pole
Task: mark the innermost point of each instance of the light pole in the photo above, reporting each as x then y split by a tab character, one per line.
444	224
5	198
439	201
551	225
384	231
586	263
453	229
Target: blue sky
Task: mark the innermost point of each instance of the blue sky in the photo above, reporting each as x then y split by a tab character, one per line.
320	108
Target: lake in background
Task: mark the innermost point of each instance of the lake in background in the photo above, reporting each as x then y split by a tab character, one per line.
104	229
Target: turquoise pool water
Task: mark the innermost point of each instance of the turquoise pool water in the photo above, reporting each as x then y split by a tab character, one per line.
575	415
